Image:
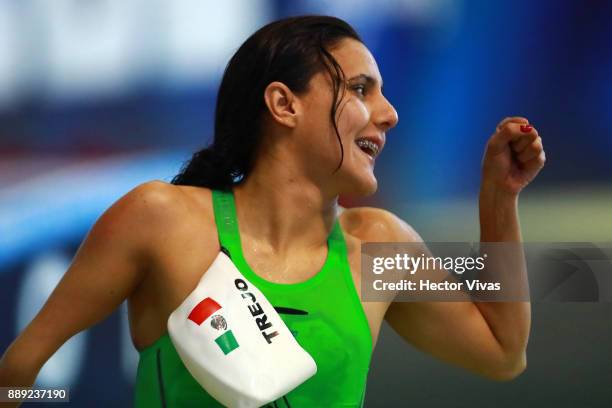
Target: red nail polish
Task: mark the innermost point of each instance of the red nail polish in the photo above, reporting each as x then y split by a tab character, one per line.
526	128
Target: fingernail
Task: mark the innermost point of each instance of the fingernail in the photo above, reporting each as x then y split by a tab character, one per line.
526	128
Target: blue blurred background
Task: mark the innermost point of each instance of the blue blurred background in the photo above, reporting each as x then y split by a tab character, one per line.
98	96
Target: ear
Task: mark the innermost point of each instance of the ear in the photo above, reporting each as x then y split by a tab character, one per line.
281	103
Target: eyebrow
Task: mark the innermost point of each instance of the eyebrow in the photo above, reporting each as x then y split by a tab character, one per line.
368	78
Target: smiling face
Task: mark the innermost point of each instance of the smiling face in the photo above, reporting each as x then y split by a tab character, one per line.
363	117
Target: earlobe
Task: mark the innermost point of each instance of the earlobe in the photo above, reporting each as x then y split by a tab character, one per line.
281	103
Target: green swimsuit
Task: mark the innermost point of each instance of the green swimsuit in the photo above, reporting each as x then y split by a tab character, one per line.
323	313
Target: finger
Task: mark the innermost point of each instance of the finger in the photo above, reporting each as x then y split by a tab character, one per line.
511	132
522	142
531	152
536	162
508	133
512	119
501	139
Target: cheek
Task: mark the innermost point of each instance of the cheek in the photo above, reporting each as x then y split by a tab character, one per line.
353	117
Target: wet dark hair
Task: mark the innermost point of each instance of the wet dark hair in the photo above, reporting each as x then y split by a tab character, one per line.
291	51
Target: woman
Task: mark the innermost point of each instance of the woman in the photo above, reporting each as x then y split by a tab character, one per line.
300	119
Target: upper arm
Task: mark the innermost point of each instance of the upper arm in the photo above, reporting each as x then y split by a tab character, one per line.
108	266
455	332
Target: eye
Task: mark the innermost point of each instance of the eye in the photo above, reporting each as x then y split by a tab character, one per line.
360	89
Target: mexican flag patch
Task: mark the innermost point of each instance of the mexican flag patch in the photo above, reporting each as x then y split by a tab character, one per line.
206	309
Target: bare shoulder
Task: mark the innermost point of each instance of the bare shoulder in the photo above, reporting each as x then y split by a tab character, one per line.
157	210
156	198
161	201
370	224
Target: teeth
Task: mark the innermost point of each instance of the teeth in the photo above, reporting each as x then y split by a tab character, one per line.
371	147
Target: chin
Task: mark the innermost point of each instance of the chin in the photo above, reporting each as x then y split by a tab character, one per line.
360	186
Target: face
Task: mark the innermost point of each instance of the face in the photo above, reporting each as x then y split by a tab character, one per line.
363	117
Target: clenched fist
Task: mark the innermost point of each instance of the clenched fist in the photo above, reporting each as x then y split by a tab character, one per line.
513	157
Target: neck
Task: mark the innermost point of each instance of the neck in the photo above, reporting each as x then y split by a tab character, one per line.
284	211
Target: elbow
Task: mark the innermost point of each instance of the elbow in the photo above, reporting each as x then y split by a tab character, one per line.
510	369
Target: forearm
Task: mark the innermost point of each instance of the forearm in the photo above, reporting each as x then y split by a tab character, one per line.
14	377
499	222
15	372
20	364
498	213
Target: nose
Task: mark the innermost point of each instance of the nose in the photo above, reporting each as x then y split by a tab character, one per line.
386	116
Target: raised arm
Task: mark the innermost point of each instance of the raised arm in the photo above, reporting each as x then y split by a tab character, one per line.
108	266
486	338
